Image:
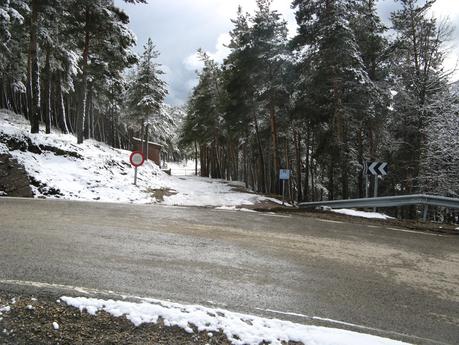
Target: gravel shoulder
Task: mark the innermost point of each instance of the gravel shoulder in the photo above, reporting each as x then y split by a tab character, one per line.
31	317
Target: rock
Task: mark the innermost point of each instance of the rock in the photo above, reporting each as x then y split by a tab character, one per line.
14	180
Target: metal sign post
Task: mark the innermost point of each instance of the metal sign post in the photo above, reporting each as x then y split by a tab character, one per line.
137	159
365	170
284	175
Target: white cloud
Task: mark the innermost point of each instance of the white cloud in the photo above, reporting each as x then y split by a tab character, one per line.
180	27
444	9
193	62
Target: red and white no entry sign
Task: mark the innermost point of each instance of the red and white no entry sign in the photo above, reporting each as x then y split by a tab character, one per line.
137	158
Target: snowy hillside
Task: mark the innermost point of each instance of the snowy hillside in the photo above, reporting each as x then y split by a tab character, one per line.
59	168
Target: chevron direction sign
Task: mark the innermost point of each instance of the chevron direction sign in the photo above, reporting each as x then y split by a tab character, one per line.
376	168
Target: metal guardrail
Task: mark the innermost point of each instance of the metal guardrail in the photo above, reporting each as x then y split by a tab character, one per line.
389	201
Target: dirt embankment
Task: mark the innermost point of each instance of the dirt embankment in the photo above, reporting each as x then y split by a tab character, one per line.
14	180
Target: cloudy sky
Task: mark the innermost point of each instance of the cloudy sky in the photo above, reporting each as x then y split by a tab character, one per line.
180	27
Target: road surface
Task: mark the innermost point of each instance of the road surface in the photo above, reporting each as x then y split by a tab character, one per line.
399	284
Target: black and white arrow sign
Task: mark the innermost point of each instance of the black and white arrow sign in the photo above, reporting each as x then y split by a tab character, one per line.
377	168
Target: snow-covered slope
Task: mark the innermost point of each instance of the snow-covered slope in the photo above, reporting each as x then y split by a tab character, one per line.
91	171
59	168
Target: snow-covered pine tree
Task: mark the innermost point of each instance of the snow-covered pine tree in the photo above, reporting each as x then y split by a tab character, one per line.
34	72
440	156
338	86
57	46
240	108
97	23
13	51
374	48
419	81
269	47
203	122
111	56
146	90
10	14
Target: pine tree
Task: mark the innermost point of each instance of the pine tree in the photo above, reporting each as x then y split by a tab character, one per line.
374	48
419	81
269	39
440	156
240	108
56	59
95	21
146	92
203	122
13	63
338	86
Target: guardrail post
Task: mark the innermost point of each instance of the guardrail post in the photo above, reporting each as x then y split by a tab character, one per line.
424	215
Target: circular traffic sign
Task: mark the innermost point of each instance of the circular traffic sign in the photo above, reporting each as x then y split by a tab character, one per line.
137	158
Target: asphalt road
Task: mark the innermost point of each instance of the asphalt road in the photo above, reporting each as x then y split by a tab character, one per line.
403	285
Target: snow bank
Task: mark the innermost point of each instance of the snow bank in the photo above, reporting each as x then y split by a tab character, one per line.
363	214
95	171
240	329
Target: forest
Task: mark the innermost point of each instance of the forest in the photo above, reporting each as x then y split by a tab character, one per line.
344	90
69	64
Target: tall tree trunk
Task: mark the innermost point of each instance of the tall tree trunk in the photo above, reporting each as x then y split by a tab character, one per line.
297	139
3	97
360	181
246	179
88	125
147	135
84	83
47	93
142	134
276	161
262	159
62	120
195	158
331	181
310	168
307	167
34	71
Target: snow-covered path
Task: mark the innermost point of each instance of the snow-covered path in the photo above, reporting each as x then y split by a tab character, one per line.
202	191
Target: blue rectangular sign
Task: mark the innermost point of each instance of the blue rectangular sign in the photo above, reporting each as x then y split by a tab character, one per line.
284	174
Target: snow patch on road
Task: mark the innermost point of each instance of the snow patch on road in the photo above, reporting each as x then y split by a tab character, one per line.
363	214
240	329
